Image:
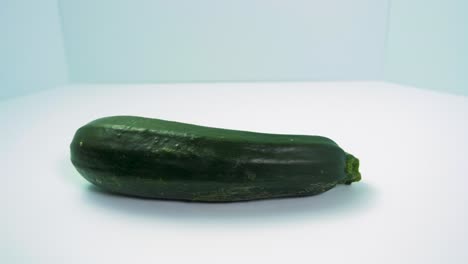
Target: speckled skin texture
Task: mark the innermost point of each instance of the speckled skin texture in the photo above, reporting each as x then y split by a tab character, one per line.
161	159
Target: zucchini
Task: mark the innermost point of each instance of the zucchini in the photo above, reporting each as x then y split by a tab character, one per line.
162	159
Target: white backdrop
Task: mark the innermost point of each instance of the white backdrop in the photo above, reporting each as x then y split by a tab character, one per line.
409	208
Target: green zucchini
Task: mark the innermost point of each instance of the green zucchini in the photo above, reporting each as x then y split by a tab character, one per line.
170	160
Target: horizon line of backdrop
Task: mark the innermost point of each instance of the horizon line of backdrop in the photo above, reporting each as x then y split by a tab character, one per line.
54	42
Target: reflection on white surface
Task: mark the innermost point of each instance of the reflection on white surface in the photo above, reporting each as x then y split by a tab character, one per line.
409	208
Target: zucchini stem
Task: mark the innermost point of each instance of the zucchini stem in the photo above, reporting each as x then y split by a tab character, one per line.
351	169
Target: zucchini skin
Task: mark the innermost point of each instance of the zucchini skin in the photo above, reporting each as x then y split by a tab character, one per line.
162	159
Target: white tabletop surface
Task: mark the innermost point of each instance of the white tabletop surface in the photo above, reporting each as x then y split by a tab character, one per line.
410	207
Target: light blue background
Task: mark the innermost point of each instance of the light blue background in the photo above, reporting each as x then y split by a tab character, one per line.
211	40
32	56
44	44
428	44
